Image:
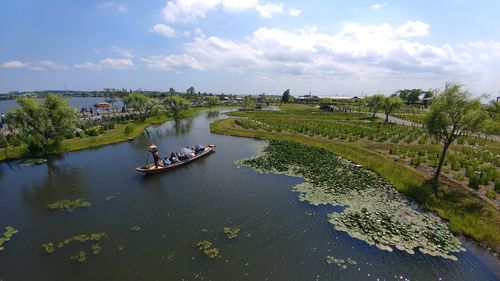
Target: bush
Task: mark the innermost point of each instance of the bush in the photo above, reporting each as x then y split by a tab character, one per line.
497	185
474	180
459	176
491	194
94	130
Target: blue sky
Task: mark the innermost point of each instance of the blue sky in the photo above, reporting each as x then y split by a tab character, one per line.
251	46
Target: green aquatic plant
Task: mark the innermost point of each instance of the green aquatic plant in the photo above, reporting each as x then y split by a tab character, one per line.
120	248
80	257
69	205
208	249
96	248
135	228
231	232
33	161
376	213
50	247
7	235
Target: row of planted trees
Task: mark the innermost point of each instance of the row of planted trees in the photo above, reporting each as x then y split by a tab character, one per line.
42	125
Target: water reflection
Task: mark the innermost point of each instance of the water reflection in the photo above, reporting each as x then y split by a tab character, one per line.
213	114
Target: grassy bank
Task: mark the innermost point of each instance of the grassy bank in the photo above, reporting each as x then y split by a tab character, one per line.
121	132
465	213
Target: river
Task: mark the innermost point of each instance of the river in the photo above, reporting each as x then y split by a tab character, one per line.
281	238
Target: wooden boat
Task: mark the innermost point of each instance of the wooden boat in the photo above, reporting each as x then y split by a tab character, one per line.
102	104
151	169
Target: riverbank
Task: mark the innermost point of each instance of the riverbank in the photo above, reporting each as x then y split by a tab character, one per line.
121	132
465	214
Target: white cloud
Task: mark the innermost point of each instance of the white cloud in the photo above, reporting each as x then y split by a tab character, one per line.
123	52
109	63
370	49
267	10
190	10
163	62
51	65
113	5
14	64
37	68
413	29
378	6
294	12
164	30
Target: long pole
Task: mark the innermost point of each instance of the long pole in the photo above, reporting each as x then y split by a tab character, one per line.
147	158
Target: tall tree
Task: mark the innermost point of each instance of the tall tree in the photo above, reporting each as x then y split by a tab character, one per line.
176	105
374	103
212	100
453	113
286	97
190	90
43	125
390	104
144	105
249	102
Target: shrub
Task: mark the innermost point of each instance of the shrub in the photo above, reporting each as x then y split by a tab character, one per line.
491	194
459	176
94	130
474	180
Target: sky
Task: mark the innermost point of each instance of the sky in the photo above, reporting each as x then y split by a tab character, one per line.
333	47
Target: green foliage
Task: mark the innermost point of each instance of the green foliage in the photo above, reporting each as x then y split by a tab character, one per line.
94	130
145	106
208	249
391	104
80	257
190	90
69	205
51	247
212	100
249	102
286	97
135	228
452	114
42	125
176	105
7	235
231	232
374	103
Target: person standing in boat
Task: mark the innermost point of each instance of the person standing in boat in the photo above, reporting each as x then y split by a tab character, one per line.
153	149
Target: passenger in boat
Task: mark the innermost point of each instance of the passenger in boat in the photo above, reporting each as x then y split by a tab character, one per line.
153	149
166	161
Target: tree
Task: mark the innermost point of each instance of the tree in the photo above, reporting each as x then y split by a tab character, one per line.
172	90
212	100
452	114
249	102
43	125
390	104
176	105
146	106
190	90
374	103
286	96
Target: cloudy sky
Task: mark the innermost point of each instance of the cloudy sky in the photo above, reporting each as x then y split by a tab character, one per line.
333	47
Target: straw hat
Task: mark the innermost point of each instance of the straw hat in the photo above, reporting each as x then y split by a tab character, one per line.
152	146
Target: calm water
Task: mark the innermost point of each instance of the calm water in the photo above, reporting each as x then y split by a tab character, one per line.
280	239
78	102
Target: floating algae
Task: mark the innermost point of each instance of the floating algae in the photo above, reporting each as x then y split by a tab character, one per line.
231	232
109	198
135	228
69	205
50	247
207	248
96	248
376	213
80	257
7	235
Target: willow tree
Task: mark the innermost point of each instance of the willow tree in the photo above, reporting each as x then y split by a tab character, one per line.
212	100
42	125
453	113
374	103
390	104
144	105
176	105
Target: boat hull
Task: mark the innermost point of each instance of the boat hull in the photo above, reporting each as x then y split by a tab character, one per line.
151	169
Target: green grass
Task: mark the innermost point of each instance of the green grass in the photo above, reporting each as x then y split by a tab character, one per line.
121	132
465	213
